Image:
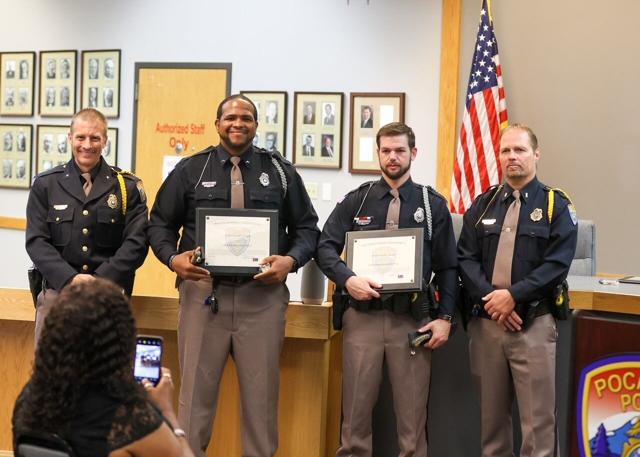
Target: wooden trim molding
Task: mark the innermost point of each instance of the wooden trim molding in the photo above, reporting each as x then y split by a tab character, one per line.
14	223
449	73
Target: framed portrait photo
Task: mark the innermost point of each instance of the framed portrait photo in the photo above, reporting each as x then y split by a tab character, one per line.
110	150
58	77
17	83
15	155
272	119
369	112
52	147
317	129
100	86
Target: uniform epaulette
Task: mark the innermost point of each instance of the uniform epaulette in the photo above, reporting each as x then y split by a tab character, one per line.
364	184
204	151
57	169
126	173
434	192
275	154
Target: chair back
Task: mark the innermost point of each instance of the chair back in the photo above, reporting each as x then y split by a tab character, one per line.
38	444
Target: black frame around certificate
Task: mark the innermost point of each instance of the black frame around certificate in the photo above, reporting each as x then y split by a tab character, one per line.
417	232
203	213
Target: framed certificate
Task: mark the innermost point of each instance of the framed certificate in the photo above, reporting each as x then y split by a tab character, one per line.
392	258
234	240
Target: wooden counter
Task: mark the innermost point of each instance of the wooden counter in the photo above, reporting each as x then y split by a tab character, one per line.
310	373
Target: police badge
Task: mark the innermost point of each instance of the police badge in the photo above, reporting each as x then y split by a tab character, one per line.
264	179
418	216
536	215
112	201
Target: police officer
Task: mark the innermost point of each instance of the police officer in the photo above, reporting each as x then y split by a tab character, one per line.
376	324
247	319
517	243
85	218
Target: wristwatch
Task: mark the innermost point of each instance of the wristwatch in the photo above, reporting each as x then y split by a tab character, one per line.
446	317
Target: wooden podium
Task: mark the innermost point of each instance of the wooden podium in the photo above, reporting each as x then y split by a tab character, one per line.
310	374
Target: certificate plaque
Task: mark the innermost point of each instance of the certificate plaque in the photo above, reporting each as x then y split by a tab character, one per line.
234	240
392	258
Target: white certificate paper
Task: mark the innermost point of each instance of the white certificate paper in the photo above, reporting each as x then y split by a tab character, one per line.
236	241
388	260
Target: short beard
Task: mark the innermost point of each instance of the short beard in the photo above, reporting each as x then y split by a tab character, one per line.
397	175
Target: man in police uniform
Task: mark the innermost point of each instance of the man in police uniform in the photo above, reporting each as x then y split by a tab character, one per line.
376	324
85	218
517	243
247	319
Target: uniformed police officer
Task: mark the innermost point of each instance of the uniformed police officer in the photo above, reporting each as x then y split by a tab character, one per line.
247	319
517	243
376	324
85	218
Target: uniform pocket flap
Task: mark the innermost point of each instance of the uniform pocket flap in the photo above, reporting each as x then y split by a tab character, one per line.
60	215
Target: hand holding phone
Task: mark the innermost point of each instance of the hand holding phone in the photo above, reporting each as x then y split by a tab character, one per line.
148	358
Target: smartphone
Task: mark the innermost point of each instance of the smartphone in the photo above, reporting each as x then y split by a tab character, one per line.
148	358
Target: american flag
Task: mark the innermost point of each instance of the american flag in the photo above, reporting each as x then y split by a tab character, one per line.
476	166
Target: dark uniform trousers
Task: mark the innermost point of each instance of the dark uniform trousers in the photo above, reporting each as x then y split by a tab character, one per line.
249	325
368	339
525	362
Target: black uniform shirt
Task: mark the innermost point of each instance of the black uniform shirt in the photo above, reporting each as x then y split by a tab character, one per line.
204	181
439	255
543	251
68	233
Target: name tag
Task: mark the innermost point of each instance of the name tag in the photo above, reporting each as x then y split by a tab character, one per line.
209	183
363	220
60	207
488	221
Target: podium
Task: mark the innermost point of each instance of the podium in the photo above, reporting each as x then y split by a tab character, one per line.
310	373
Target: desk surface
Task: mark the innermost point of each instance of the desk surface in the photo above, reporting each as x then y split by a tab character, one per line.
587	293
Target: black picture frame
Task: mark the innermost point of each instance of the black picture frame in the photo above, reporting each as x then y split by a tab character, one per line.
58	82
17	83
201	218
16	155
100	83
269	128
417	233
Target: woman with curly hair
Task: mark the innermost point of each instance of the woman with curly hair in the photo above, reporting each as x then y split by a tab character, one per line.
82	387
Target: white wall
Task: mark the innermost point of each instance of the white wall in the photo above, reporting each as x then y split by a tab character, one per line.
292	45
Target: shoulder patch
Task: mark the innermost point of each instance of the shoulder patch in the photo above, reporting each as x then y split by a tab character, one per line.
140	187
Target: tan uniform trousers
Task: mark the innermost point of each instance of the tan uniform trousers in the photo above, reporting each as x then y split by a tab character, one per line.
524	363
250	326
368	339
44	303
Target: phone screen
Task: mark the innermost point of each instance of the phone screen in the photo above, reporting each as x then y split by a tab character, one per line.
148	358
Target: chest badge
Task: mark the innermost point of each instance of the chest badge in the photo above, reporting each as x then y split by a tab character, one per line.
264	179
536	215
209	183
418	216
112	201
363	220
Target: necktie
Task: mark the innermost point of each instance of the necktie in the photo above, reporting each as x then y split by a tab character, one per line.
393	213
504	254
87	183
237	185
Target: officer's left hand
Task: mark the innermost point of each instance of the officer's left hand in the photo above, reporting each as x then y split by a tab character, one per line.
440	329
499	303
281	265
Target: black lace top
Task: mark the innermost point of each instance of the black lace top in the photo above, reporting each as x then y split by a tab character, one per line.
103	424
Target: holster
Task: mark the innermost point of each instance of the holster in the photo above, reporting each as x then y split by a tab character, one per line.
35	283
340	304
560	306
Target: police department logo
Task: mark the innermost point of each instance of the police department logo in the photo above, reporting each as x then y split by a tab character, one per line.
536	215
112	201
608	412
264	179
572	213
418	216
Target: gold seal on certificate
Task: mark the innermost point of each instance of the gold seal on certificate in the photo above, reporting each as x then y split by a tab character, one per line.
235	240
392	258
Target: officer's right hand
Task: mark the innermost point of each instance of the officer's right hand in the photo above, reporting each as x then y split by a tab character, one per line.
183	267
512	323
362	288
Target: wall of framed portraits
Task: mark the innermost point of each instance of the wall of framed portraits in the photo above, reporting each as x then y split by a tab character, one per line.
283	48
